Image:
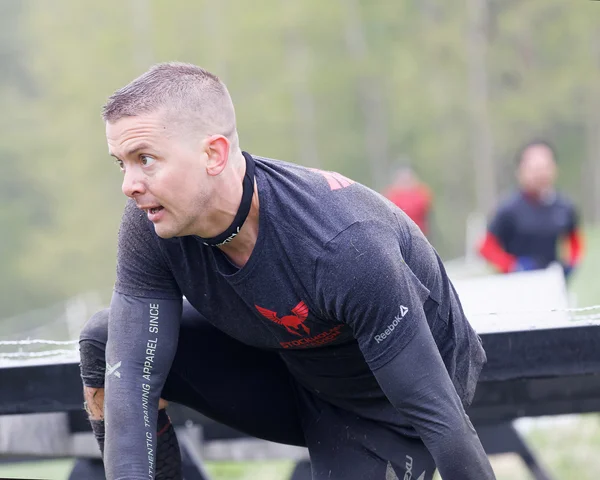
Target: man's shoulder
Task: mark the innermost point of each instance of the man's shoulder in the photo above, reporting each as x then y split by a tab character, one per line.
509	202
132	214
274	162
564	201
323	206
373	237
274	165
134	221
141	267
303	176
514	197
136	235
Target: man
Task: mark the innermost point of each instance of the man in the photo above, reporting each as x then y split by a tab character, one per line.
412	196
315	313
526	231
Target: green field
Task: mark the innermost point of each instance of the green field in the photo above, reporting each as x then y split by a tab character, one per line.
59	470
585	284
568	449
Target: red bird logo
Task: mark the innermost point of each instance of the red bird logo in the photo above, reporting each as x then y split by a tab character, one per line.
292	323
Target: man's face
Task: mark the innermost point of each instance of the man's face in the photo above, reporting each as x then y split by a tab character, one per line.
164	171
537	170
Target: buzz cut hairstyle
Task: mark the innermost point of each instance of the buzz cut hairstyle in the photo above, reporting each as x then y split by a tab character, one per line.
185	92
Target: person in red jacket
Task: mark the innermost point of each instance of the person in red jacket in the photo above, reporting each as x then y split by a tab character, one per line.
412	196
530	225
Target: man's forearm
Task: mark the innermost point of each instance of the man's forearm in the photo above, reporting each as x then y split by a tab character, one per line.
417	384
491	249
460	455
142	339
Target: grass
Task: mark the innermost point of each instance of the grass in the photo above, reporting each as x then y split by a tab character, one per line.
584	283
47	470
566	449
60	469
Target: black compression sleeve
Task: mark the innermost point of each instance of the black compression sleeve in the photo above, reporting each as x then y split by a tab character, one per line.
142	339
417	383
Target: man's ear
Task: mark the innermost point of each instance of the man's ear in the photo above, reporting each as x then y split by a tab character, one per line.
217	149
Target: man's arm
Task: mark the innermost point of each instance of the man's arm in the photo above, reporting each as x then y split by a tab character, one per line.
142	339
363	279
493	245
491	249
417	384
575	246
143	330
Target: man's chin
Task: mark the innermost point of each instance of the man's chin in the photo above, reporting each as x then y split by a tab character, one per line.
163	232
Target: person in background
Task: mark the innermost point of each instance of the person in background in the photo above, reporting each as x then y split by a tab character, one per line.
412	196
529	226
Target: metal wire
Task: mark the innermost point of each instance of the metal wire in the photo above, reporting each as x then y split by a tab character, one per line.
38	341
56	352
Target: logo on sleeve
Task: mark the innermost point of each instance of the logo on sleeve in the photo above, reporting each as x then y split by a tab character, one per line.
390	473
334	179
113	369
390	328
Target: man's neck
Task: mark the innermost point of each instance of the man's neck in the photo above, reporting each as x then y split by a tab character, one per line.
540	196
241	247
227	198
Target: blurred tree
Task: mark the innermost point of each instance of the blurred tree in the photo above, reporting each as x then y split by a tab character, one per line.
23	203
353	86
369	93
481	135
591	169
539	70
90	48
298	63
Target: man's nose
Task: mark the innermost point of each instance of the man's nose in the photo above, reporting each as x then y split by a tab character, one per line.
133	184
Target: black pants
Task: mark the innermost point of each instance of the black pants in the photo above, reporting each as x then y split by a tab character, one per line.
252	391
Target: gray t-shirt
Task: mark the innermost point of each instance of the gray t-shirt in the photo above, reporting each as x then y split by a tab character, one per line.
333	283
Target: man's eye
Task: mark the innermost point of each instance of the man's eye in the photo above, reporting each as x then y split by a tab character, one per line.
120	164
147	160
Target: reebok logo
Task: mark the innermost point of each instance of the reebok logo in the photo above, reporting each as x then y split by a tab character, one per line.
110	369
390	328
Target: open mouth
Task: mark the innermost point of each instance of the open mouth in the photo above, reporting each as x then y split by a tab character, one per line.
154	210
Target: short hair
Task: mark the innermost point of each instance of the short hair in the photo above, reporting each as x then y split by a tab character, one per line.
534	143
182	90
